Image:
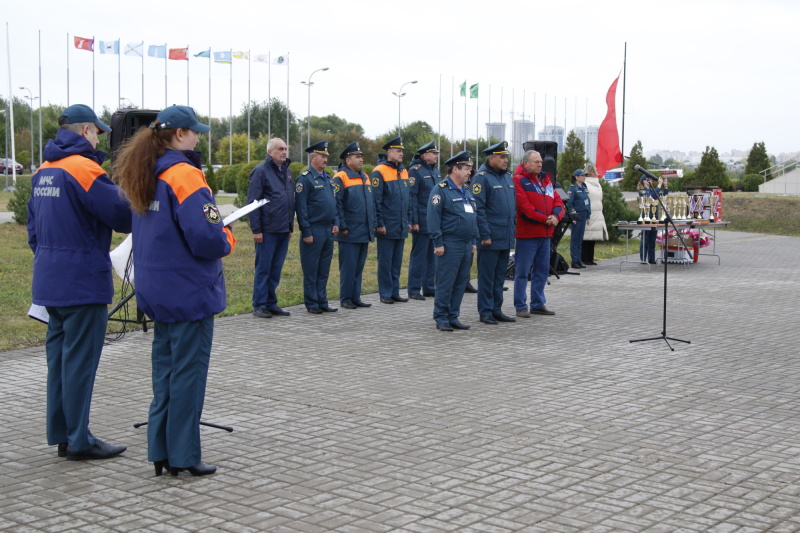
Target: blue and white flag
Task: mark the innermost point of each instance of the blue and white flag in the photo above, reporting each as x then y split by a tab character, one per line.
155	50
134	49
109	47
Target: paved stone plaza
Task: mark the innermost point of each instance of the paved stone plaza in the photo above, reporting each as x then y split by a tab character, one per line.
372	420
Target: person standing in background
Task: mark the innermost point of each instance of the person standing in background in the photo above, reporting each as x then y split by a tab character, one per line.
596	229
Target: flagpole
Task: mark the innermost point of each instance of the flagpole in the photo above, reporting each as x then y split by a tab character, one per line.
209	105
287	100
40	98
230	112
11	103
248	105
477	122
534	115
624	80
166	99
502	90
93	54
490	110
67	69
119	73
439	129
187	75
142	56
513	132
269	96
452	114
465	116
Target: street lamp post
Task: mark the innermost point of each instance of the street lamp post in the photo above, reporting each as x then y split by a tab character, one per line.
308	119
31	98
399	94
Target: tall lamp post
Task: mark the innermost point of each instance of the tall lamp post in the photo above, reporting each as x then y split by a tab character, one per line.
31	98
308	124
5	138
399	94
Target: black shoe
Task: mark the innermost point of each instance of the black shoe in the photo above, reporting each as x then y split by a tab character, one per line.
590	263
577	265
399	299
416	297
386	300
470	289
62	449
542	311
277	311
505	289
362	304
200	469
444	327
504	318
489	320
160	466
100	450
315	310
262	313
429	294
349	305
458	325
328	309
653	262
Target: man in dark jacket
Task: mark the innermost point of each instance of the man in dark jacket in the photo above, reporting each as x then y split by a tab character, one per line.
493	189
72	211
271	225
390	188
422	176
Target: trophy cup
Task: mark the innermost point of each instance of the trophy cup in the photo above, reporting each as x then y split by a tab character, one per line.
664	209
643	205
713	201
698	206
685	207
654	210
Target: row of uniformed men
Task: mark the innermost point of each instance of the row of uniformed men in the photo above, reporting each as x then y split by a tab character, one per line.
446	222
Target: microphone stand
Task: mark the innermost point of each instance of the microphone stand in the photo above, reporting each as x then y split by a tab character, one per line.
667	221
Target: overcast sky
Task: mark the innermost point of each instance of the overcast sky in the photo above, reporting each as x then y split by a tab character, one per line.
724	74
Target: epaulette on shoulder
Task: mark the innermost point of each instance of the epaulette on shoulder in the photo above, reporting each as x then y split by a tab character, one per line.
442	184
306	171
482	172
416	167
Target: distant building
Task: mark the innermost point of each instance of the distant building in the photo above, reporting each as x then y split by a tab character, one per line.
588	136
496	130
555	134
524	131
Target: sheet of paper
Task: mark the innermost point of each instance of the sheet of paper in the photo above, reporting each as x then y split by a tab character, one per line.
242	211
39	312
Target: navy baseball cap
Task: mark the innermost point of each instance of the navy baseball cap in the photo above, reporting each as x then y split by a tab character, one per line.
579	172
78	113
179	116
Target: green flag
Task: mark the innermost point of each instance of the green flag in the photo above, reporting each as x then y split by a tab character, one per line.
473	91
463	88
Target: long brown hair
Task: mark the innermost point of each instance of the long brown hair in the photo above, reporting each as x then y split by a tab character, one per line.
135	163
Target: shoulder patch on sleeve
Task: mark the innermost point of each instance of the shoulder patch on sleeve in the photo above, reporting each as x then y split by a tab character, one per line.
476	189
376	181
298	187
336	187
211	212
412	180
436	199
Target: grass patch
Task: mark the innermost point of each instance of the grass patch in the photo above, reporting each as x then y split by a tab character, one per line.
747	212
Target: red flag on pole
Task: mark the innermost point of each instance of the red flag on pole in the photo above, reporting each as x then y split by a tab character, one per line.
84	44
179	54
608	153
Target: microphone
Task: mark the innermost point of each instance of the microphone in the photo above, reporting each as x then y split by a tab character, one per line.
646	172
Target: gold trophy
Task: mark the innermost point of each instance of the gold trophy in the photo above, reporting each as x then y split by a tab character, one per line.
641	210
654	210
685	207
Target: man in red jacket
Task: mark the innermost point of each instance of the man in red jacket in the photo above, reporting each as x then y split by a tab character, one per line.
539	209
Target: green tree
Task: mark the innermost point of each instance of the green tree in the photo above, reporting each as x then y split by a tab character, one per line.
750	182
18	203
758	161
615	209
240	143
631	177
656	160
573	158
711	171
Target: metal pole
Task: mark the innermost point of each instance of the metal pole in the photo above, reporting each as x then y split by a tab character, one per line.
308	117
40	97
30	98
399	94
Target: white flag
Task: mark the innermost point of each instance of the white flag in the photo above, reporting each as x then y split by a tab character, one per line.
261	58
134	49
280	60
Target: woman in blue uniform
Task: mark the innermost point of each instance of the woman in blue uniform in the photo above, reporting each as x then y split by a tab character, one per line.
580	209
178	243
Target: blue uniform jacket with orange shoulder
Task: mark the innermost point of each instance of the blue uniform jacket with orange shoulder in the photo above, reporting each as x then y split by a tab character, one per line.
178	245
355	206
71	214
391	188
422	177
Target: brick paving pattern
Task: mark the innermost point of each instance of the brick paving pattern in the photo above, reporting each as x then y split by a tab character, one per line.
372	420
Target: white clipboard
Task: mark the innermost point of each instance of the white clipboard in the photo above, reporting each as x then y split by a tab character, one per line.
242	211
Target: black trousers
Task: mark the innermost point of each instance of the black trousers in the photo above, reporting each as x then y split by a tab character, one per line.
587	251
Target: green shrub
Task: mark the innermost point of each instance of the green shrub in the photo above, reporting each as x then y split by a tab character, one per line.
211	179
223	174
615	209
243	181
18	203
296	168
367	169
751	182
